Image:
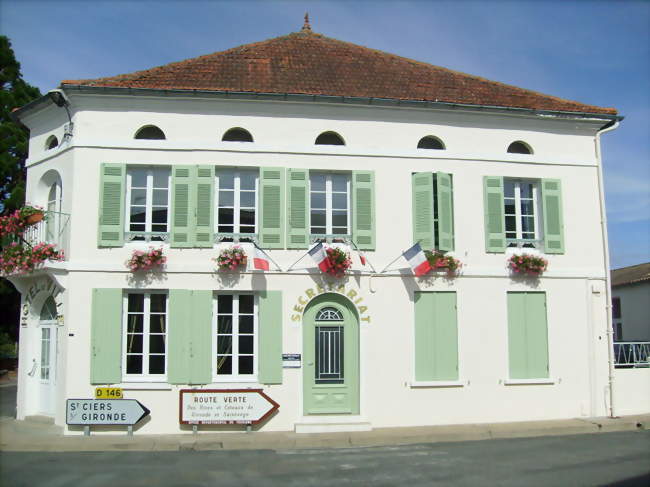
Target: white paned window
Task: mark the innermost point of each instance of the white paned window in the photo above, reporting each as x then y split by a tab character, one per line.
144	336
329	204
236	200
521	210
148	201
235	338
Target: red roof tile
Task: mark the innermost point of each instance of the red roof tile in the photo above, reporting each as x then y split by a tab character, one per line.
309	63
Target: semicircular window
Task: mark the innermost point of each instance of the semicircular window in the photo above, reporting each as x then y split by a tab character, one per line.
519	147
51	142
431	142
237	134
329	138
150	132
48	311
329	314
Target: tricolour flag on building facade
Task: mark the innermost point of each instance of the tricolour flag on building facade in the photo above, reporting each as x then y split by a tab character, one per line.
417	260
320	257
362	258
260	259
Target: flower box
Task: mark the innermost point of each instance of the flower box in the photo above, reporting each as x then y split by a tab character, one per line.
146	260
441	262
527	264
231	259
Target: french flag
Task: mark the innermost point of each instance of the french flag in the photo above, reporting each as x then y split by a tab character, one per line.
417	260
260	260
362	258
320	257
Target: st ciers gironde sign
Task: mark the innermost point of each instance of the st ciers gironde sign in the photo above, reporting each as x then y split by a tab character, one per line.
87	412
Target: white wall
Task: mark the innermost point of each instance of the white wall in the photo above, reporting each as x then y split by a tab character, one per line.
632	391
635	311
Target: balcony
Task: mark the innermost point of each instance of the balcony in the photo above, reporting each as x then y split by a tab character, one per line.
631	354
54	229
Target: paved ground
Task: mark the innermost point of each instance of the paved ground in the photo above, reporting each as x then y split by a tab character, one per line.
617	459
8	400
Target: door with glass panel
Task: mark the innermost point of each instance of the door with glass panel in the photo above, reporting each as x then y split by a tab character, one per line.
47	349
331	357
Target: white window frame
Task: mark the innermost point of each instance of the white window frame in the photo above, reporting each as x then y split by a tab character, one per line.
146	321
235	376
519	241
147	233
236	223
328	204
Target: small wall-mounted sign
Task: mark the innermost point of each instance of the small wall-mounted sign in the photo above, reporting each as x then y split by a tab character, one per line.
225	406
108	393
291	360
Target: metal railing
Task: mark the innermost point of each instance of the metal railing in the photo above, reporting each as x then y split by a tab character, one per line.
632	354
54	229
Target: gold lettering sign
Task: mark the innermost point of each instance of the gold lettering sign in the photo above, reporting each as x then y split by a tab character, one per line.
311	293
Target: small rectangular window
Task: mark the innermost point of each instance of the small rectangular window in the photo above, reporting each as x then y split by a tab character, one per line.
144	336
147	203
616	308
236	202
521	208
329	204
235	337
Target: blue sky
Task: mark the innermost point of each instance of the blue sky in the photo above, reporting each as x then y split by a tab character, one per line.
596	52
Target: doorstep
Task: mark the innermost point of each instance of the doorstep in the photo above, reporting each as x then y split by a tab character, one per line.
332	424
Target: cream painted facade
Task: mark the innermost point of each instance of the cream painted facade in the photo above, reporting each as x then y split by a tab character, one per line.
380	139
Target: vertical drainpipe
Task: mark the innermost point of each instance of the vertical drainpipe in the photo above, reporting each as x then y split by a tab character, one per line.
608	298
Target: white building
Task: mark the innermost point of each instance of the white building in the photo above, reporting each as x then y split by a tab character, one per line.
292	140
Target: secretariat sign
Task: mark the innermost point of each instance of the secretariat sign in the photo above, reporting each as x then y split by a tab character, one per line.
88	412
225	406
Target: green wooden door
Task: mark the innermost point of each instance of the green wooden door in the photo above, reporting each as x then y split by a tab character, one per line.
331	357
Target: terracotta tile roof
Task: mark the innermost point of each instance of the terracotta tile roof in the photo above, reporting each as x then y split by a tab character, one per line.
309	63
631	274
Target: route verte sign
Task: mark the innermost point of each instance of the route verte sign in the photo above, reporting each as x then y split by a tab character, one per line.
225	406
87	412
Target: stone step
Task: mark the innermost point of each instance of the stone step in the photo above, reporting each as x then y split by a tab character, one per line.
40	419
332	427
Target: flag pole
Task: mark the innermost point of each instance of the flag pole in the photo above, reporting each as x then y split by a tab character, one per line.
301	257
395	260
266	253
368	260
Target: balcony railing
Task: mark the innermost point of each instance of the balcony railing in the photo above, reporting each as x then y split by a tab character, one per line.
632	354
54	229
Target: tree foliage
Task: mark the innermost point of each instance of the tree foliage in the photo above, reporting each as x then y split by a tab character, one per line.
14	93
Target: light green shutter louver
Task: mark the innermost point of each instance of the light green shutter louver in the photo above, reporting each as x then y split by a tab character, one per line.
189	336
111	205
106	337
495	236
445	211
552	212
204	230
422	190
182	214
298	211
436	337
527	335
363	206
270	337
271	231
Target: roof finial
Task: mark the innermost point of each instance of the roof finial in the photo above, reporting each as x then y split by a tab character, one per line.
306	27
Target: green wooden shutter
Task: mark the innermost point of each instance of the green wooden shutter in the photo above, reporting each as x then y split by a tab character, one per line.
298	211
182	218
552	209
111	205
201	337
436	336
270	337
179	336
422	191
527	335
271	231
106	337
204	230
445	211
190	337
495	236
363	206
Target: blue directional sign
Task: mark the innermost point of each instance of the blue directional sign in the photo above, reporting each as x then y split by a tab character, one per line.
104	411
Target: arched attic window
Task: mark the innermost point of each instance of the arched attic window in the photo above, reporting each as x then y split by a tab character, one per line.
329	138
519	147
431	142
237	134
51	142
150	132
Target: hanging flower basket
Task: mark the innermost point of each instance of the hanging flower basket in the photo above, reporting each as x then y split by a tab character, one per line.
144	261
31	214
339	262
231	259
23	259
527	264
441	262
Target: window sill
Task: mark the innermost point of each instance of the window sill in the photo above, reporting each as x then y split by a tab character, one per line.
437	383
144	386
526	382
